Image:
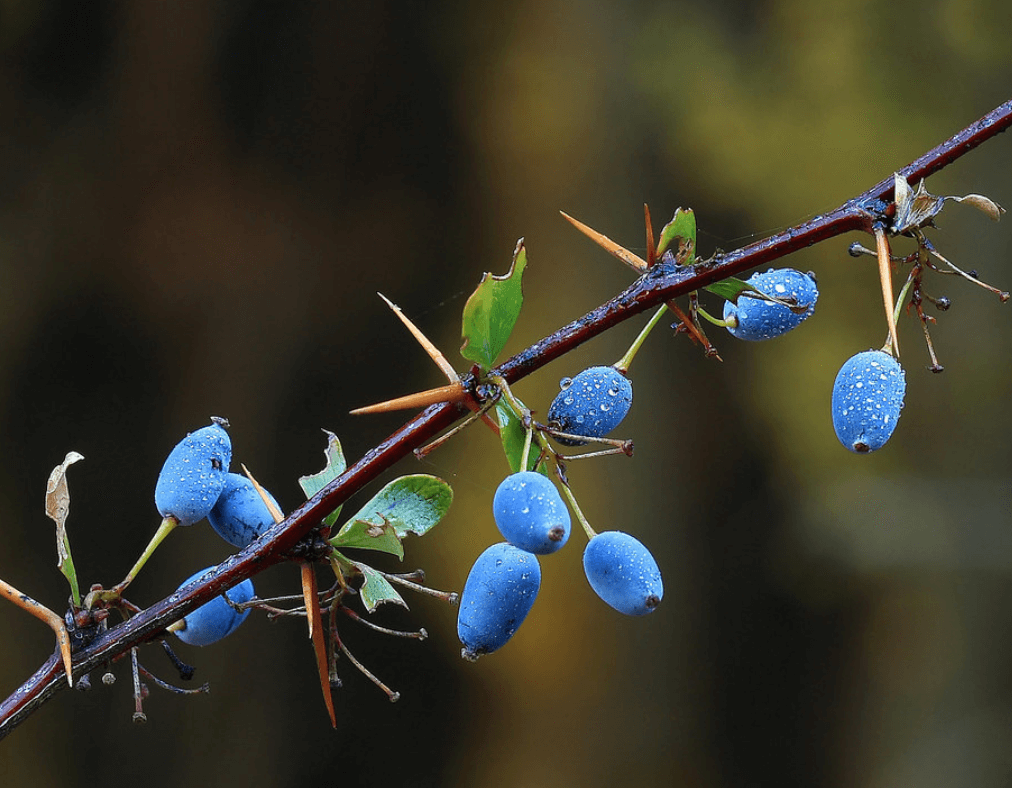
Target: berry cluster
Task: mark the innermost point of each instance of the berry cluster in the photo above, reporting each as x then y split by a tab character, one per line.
868	393
531	515
194	484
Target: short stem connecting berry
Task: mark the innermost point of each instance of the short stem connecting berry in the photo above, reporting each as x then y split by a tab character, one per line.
731	321
167	526
525	457
524	414
623	364
591	533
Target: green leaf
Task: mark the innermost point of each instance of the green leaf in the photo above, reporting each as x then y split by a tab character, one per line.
730	288
367	536
492	311
683	227
410	505
513	434
336	464
376	589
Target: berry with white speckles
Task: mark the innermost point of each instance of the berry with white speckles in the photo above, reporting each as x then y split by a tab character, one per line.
193	475
754	319
592	404
499	593
867	399
530	513
623	573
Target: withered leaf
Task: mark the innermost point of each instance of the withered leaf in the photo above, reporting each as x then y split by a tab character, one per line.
58	501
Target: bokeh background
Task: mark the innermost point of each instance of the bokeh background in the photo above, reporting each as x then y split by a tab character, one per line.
199	202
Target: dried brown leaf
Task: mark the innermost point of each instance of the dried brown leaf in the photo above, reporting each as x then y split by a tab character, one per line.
983	204
58	503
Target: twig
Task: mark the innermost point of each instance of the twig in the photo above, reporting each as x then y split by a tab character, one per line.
658	285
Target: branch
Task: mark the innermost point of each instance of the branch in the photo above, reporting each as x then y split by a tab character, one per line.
661	283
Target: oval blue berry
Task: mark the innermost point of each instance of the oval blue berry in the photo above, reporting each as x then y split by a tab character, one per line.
867	400
500	590
757	319
193	475
240	514
623	573
216	619
592	404
530	513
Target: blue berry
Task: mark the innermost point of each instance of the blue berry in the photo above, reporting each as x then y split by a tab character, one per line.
216	619
623	573
758	319
530	513
193	475
240	515
592	404
867	399
500	590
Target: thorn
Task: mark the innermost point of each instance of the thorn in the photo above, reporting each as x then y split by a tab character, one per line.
695	334
454	392
885	273
432	350
53	621
651	243
638	264
276	513
316	633
309	594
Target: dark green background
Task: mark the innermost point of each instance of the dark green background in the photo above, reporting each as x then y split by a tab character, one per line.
198	204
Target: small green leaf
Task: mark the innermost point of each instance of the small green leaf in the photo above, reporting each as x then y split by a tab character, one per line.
513	434
368	536
410	505
730	288
336	464
683	227
492	311
376	589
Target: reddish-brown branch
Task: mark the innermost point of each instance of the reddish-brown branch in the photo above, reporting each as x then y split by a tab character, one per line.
661	283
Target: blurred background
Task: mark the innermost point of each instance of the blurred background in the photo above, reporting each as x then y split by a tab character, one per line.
199	202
